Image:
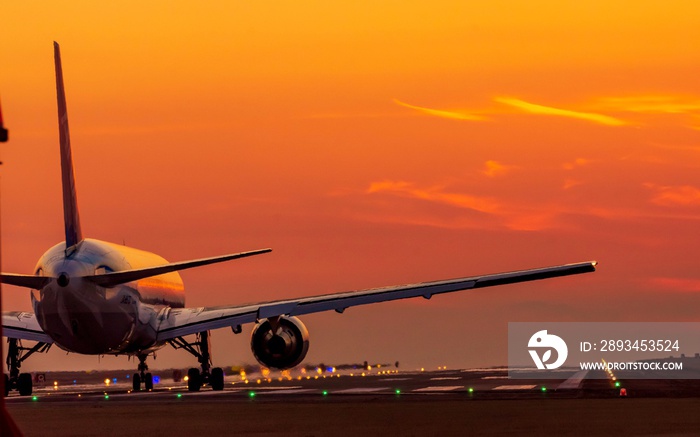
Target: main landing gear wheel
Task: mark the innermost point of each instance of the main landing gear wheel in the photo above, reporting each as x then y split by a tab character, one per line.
24	384
136	381
194	380
200	348
148	382
216	380
16	354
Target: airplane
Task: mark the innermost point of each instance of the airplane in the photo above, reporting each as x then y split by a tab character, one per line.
100	298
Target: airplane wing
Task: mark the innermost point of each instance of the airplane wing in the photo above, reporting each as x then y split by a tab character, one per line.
23	326
185	321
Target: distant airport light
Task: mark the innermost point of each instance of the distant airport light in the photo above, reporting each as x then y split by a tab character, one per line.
108	381
251	394
617	384
179	395
325	392
107	397
623	392
398	392
186	378
544	389
34	398
471	390
156	379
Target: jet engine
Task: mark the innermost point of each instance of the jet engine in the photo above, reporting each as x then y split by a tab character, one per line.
280	342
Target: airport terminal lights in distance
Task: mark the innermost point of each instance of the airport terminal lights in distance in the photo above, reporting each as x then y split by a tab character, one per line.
95	297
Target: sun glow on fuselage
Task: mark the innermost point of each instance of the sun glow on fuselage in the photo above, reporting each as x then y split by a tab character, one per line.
81	316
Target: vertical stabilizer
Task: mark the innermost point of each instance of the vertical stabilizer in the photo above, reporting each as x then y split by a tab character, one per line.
71	218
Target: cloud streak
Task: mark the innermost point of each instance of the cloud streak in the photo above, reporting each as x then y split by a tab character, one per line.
652	104
435	194
681	195
678	284
532	108
495	168
497	214
453	115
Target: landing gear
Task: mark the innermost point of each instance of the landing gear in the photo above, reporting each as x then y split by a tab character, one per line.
200	348
16	354
143	376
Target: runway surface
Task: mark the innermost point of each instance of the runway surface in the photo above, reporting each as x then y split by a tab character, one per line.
444	402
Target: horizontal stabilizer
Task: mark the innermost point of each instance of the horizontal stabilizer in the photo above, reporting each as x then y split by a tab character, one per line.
116	278
28	281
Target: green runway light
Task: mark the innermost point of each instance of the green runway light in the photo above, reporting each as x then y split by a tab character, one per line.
617	383
106	396
544	389
398	392
251	394
471	390
34	398
179	395
325	392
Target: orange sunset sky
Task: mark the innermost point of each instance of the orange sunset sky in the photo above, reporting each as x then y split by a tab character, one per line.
368	143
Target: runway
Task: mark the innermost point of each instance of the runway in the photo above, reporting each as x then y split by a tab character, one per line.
474	383
444	402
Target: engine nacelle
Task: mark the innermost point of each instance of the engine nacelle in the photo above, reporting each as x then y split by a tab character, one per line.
280	343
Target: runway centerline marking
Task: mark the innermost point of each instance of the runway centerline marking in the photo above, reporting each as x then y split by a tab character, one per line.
361	390
514	387
441	388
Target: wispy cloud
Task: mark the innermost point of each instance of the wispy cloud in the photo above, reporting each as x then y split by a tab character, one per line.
435	194
495	168
652	104
454	115
570	183
679	195
578	162
678	284
497	214
548	110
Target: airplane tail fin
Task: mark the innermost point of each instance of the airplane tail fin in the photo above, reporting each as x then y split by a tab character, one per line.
71	218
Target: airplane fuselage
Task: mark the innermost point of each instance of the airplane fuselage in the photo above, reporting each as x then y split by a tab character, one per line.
81	316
